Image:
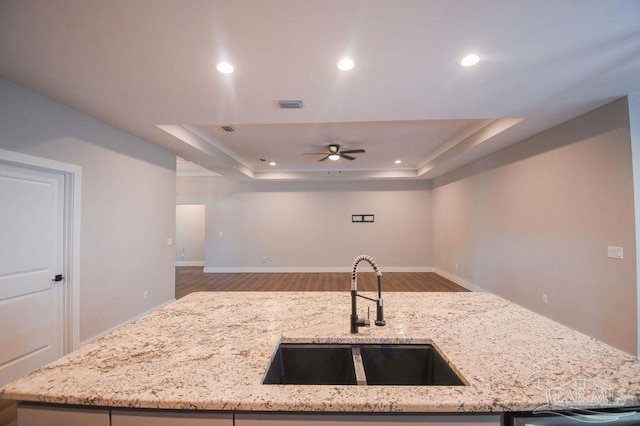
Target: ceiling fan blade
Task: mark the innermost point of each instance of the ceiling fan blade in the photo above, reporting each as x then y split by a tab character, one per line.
314	153
354	151
347	157
324	158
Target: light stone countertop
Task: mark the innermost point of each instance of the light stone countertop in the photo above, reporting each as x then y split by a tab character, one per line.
209	351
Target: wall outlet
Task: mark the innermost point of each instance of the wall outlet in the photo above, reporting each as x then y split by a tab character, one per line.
169	242
456	266
264	260
614	252
145	295
544	299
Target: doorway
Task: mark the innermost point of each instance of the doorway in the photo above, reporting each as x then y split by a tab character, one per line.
190	235
39	266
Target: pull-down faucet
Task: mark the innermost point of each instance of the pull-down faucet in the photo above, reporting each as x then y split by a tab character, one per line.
355	321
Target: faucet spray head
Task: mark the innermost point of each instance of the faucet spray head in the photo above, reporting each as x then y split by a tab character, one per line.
354	290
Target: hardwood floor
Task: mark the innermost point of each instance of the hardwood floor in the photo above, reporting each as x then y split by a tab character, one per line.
190	279
8	414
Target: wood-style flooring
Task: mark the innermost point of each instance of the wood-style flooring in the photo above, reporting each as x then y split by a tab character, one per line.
190	279
8	414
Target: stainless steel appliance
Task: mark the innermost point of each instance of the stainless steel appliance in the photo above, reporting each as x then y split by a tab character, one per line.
577	418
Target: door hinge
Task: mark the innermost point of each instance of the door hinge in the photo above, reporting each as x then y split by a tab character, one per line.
57	278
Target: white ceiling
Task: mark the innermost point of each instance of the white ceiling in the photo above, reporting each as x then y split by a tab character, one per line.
148	67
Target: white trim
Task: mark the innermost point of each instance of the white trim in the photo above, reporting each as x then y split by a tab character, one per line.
112	329
466	284
219	145
37	162
306	269
634	134
405	269
189	262
196	173
72	188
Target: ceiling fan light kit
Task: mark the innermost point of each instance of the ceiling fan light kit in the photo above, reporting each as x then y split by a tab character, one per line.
335	154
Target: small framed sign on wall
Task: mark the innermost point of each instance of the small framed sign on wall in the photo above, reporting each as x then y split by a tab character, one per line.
362	218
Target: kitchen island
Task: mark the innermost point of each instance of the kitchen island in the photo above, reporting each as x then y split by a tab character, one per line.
209	351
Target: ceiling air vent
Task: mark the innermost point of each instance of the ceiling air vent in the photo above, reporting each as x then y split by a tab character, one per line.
290	103
228	129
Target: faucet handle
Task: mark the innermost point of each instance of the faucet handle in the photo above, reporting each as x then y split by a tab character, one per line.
367	322
362	322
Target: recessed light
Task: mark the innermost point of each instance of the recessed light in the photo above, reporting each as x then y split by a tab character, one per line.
398	161
273	163
469	60
225	67
346	64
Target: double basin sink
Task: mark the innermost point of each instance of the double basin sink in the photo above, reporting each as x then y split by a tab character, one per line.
362	364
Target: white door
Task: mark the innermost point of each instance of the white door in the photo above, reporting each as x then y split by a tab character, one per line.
31	255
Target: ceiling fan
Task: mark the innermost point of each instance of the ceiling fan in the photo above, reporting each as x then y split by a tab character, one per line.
334	153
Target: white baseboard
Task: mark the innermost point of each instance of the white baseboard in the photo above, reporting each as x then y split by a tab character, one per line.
189	262
407	269
104	333
315	269
466	284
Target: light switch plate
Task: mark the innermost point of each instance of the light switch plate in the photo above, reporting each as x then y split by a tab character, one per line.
614	252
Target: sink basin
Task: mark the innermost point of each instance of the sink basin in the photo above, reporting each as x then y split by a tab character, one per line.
360	364
309	364
418	365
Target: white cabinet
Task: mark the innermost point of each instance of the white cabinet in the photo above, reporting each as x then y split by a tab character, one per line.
169	418
32	414
43	415
357	419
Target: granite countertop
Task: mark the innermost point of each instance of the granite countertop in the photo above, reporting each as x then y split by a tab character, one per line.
209	351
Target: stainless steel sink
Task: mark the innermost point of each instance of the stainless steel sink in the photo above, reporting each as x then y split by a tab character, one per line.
360	364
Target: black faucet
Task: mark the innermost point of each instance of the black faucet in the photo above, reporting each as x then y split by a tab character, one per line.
355	321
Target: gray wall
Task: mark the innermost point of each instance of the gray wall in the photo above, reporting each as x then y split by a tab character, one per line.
537	217
634	130
306	226
128	204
